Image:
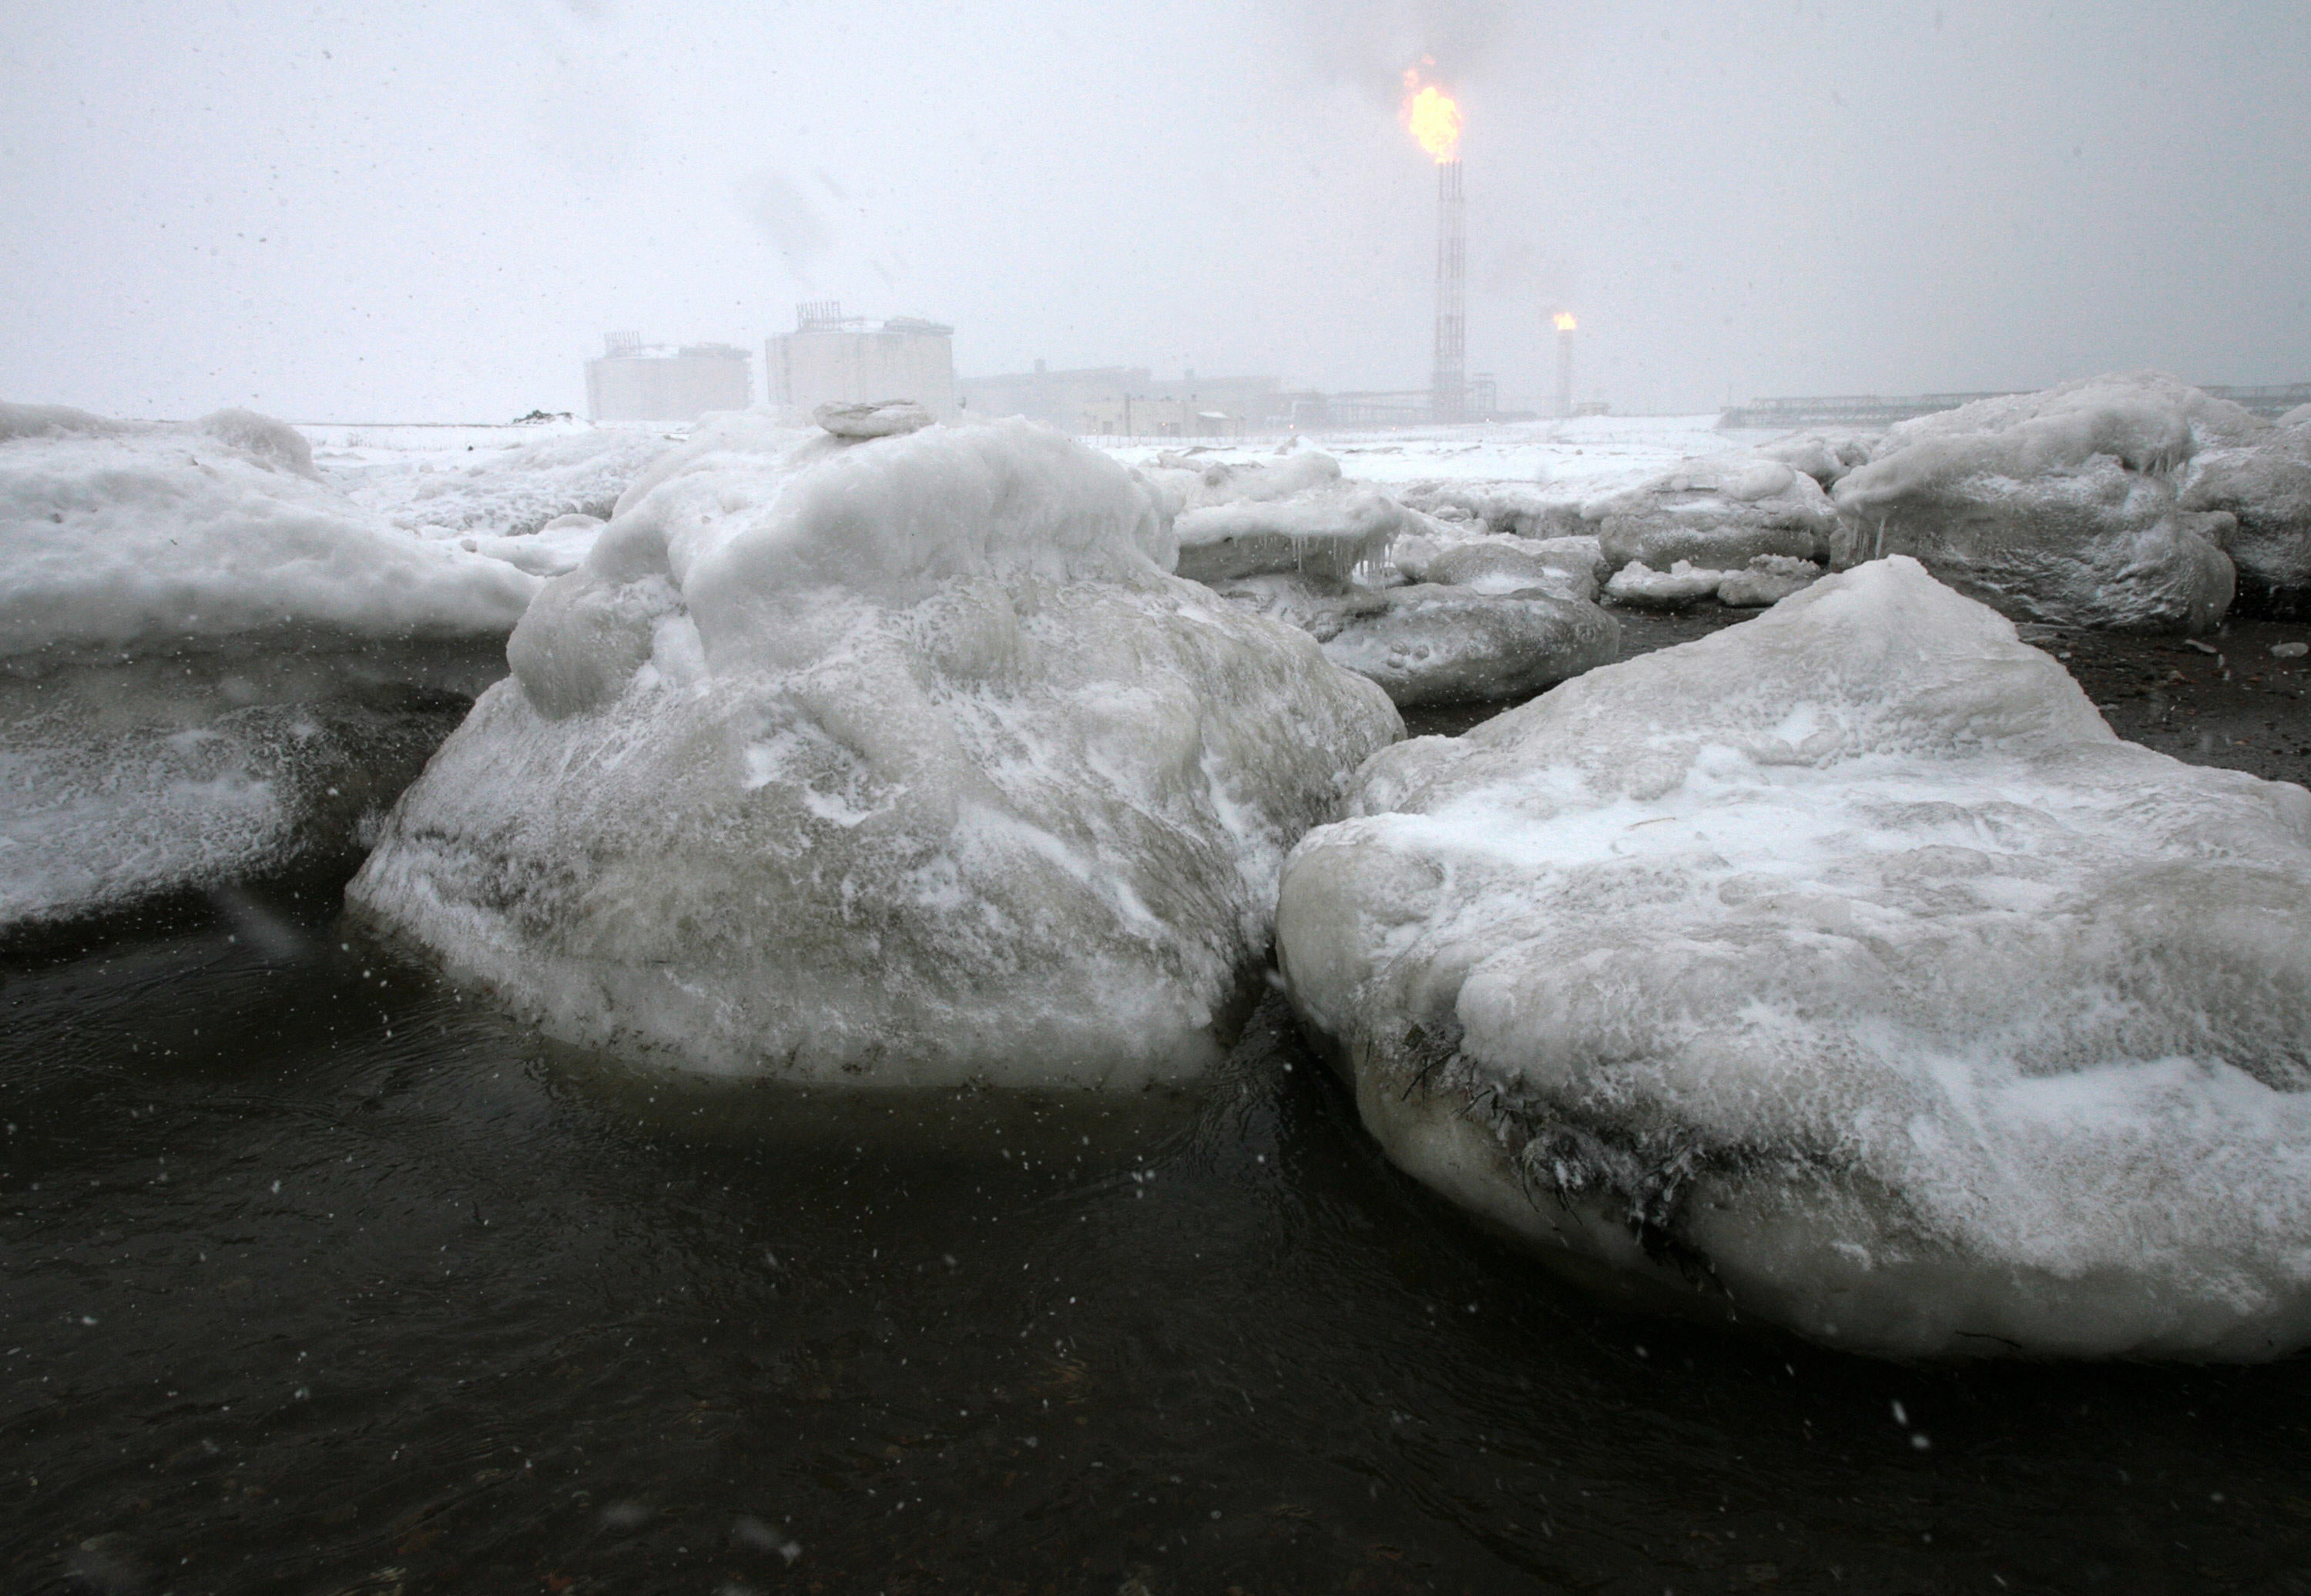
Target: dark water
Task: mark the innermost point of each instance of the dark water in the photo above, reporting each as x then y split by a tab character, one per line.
321	1280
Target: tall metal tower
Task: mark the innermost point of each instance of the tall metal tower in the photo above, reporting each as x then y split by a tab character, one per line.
1448	379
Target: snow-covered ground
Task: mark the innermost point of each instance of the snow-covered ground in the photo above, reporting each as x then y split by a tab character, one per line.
462	477
477	483
1574	459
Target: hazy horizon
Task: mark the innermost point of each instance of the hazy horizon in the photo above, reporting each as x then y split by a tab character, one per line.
331	214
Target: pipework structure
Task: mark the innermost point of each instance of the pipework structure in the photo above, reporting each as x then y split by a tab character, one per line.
1447	384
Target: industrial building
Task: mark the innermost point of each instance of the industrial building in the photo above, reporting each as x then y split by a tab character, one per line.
635	381
1134	417
830	356
1131	402
1058	399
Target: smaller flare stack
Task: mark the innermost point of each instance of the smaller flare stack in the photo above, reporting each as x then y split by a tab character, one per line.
1433	118
1565	329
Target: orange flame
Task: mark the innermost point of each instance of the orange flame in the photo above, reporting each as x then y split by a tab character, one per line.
1431	116
1565	322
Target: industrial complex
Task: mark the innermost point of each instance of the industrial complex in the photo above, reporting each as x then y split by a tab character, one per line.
833	357
829	357
636	382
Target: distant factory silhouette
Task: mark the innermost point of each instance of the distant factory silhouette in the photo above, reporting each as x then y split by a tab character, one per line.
830	356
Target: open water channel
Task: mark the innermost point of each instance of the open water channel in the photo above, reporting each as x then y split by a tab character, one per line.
320	1277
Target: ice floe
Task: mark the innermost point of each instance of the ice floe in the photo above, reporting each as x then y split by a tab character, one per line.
1295	515
1567	566
898	762
1640	585
1483	618
1841	970
211	663
2058	506
2265	484
1721	511
1485	615
1767	579
1431	644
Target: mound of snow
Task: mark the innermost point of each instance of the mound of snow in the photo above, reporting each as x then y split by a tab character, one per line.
559	546
2150	421
1841	969
1722	511
260	438
133	541
213	664
59	420
246	433
737	437
893	763
1297	515
2058	506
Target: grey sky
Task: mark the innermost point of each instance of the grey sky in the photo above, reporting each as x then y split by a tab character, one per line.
403	212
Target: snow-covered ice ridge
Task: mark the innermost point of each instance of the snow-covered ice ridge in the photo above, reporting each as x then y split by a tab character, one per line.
1843	970
896	763
211	662
220	652
125	538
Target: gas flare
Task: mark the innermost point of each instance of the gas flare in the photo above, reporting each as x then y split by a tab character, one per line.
1431	116
1565	322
